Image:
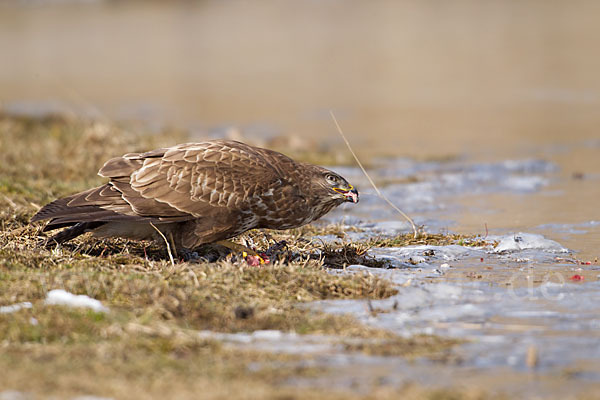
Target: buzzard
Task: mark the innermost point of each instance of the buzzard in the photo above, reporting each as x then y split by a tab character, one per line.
198	193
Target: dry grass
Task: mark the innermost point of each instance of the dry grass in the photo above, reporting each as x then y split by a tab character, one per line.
147	346
433	239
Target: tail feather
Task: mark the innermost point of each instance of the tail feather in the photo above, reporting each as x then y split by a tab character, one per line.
51	209
78	216
76	208
90	216
72	232
90	209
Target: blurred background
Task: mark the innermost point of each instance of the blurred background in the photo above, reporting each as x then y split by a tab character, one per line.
418	78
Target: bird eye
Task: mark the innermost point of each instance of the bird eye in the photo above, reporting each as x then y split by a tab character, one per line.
332	179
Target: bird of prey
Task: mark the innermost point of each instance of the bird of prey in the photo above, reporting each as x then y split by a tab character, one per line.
198	193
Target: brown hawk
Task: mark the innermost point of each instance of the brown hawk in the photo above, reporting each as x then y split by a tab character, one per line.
198	193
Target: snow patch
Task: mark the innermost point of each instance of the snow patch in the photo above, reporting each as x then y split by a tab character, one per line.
14	307
528	241
13	395
64	298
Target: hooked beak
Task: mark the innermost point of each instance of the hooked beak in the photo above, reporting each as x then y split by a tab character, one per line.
351	194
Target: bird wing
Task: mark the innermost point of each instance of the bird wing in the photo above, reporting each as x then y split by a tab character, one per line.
190	179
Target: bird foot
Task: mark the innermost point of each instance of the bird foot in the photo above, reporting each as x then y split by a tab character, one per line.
187	255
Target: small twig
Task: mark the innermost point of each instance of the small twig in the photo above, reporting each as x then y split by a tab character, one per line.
172	242
381	195
166	242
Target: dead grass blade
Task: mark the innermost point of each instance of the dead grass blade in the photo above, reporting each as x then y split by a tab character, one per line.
166	242
381	195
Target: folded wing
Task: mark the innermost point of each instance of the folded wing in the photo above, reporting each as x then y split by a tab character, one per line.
179	183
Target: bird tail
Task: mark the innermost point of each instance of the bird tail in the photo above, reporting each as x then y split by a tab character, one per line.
72	232
76	214
88	210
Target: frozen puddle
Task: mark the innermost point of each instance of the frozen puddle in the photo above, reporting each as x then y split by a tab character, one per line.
503	314
516	305
278	341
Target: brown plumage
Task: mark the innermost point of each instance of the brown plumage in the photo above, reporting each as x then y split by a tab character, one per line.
198	193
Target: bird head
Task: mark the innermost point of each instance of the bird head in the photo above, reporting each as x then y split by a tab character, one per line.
338	188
